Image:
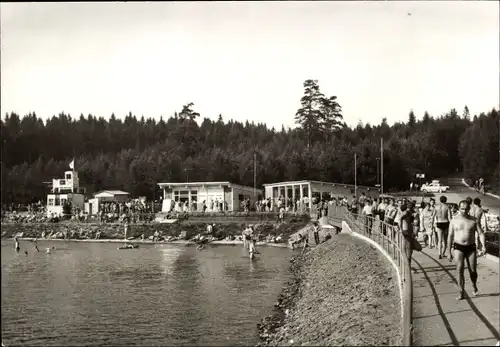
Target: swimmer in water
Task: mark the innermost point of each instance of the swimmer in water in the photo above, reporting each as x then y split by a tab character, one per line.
16	246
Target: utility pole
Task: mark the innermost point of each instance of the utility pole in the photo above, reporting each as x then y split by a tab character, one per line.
381	165
355	176
254	174
378	173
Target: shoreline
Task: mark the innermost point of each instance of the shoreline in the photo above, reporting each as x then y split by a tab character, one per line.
176	242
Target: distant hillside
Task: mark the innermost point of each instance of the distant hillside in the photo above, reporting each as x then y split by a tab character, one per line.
133	154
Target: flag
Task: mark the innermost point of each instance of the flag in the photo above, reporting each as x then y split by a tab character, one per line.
72	164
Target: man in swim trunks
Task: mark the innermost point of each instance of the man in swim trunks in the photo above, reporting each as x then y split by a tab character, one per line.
462	237
442	218
477	213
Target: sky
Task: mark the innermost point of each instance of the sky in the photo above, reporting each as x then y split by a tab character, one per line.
249	60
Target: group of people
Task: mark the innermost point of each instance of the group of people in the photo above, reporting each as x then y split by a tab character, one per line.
456	231
479	185
17	246
303	238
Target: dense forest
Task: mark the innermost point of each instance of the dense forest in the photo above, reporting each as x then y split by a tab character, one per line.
134	154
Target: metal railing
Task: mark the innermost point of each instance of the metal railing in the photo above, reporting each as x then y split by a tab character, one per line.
392	241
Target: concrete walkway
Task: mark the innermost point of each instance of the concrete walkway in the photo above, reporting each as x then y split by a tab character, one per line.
441	320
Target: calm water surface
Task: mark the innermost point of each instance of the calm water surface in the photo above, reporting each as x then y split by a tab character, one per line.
94	294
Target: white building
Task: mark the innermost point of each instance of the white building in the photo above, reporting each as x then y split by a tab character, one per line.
65	189
92	206
212	193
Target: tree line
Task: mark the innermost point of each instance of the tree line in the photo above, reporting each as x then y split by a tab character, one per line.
134	154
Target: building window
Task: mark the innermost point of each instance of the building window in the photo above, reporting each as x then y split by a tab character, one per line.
184	195
62	182
176	195
57	202
68	176
51	202
194	195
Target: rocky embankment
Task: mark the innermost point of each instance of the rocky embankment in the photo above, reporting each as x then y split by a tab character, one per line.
115	231
343	292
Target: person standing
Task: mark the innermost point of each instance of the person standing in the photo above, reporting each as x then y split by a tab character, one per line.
246	237
316	232
427	225
16	244
406	228
461	239
125	231
368	214
442	218
477	213
381	213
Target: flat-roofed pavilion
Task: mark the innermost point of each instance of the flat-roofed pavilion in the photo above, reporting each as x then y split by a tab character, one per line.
297	190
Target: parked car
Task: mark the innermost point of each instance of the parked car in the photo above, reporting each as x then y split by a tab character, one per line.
434	187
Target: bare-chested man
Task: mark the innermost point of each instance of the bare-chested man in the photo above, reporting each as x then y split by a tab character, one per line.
406	228
462	239
442	218
477	213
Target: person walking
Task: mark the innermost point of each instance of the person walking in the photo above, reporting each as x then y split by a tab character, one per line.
442	218
316	232
427	225
461	239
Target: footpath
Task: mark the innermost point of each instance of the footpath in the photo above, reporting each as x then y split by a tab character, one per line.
441	320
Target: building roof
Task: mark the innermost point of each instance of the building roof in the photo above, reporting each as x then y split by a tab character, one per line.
193	184
196	184
112	192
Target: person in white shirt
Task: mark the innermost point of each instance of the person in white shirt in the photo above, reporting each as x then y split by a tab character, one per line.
368	214
381	213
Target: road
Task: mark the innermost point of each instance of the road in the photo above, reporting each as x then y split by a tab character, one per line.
458	191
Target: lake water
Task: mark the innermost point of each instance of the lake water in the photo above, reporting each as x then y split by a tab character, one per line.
94	294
